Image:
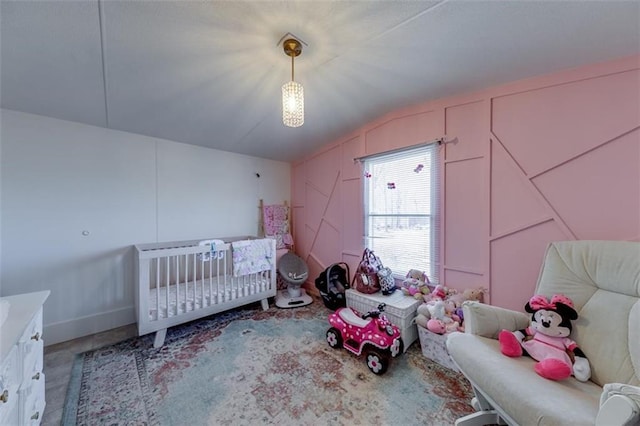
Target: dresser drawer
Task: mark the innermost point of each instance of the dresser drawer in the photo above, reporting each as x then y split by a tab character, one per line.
9	381
10	412
33	331
22	387
31	346
34	377
38	411
32	401
32	358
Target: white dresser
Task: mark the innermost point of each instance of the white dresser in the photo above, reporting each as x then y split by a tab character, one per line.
21	350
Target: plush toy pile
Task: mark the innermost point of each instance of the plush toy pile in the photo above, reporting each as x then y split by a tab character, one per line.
441	310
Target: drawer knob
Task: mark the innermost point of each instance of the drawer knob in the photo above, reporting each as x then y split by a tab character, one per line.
36	376
5	396
36	337
35	416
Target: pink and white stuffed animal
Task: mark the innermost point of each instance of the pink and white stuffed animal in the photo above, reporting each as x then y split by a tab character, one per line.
439	293
547	339
415	284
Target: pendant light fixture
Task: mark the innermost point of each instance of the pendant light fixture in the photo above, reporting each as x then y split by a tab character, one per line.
292	92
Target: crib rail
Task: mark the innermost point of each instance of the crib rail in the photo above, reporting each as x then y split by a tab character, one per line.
182	281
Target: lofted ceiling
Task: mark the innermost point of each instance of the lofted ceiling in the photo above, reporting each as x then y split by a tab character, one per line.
209	73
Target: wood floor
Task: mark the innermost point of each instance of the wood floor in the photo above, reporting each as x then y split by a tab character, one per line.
58	360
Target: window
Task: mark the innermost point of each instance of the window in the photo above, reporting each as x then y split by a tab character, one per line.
401	209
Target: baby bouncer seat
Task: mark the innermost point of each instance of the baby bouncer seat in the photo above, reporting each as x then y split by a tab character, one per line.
294	271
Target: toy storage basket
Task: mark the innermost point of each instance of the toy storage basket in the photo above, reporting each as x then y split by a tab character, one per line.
399	309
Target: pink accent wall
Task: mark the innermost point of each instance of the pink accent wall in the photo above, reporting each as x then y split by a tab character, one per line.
550	158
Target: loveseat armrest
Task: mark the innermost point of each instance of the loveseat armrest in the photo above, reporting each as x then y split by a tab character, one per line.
619	405
487	321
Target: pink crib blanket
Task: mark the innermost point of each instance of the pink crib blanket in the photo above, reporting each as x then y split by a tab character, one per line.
251	256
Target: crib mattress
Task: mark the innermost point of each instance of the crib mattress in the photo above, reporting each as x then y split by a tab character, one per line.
187	297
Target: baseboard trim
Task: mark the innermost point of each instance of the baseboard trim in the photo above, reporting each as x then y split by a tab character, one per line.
84	326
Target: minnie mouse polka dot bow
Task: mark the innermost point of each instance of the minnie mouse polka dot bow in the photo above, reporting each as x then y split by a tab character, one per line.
540	302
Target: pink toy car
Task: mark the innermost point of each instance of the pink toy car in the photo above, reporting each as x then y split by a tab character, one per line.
371	334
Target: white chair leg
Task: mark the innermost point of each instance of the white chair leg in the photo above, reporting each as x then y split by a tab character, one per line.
485	414
476	404
265	304
480	403
480	418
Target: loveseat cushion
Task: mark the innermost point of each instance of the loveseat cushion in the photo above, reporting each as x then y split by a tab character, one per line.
514	386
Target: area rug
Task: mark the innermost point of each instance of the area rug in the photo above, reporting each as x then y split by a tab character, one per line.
248	367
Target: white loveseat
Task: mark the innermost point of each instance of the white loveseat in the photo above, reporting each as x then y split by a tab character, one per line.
603	280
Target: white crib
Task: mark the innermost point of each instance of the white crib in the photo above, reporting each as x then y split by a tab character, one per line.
182	281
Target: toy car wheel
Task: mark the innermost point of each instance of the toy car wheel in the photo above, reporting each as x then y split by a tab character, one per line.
397	347
334	338
377	362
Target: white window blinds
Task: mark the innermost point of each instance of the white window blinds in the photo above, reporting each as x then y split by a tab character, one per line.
401	193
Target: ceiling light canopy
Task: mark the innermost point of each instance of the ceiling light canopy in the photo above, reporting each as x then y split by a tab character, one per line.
292	92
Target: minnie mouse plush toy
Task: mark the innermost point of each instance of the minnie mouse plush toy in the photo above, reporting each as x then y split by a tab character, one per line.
546	339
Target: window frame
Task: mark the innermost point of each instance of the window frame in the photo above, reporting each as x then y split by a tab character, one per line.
433	217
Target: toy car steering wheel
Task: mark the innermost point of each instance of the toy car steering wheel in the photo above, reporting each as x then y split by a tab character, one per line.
376	313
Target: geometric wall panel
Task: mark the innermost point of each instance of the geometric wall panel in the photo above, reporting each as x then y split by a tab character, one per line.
351	150
544	127
515	264
403	131
322	196
315	204
327	243
322	170
464	214
467	123
351	215
309	235
333	213
591	192
535	161
298	183
513	202
299	229
315	268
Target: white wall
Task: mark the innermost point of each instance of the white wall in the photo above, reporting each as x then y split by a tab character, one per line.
61	179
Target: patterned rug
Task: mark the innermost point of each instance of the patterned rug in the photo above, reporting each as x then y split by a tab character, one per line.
248	367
